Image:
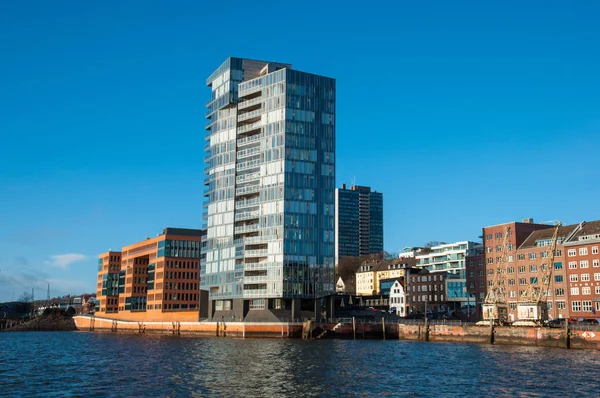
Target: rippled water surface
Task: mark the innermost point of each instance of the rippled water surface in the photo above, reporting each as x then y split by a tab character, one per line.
88	364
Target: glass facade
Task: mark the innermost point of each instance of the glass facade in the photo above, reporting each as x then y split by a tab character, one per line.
359	222
270	174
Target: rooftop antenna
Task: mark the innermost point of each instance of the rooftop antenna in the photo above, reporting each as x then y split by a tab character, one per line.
353	181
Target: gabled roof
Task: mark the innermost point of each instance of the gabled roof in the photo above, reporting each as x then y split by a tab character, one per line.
589	228
546	233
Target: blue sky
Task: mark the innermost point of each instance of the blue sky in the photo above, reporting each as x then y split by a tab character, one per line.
463	114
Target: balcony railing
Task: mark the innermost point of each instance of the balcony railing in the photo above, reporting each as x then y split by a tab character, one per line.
246	228
256	253
248	152
240	204
247	215
256	279
255	293
249	127
249	103
247	115
249	140
248	165
247	190
247	177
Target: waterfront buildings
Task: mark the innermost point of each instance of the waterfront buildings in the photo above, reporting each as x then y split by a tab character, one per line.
476	280
582	263
370	273
451	258
573	289
270	179
156	279
358	222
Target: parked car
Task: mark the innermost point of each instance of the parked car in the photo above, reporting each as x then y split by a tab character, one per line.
556	323
392	310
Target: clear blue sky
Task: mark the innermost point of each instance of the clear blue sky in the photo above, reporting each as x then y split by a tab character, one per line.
463	114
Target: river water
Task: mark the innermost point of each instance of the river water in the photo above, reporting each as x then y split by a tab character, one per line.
104	364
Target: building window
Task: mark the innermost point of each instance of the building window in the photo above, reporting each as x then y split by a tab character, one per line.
558	278
574	291
586	306
597	290
576	306
521	269
521	257
597	276
560	305
490	249
585	277
572	264
511	282
511	270
512	293
586	290
532	256
595	250
596	263
558	252
572	253
583	251
522	281
574	278
558	265
533	268
583	264
560	291
490	260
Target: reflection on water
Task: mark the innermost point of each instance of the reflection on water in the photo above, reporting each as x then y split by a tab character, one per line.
88	364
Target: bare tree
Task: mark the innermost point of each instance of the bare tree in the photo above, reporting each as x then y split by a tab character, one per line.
26	297
434	243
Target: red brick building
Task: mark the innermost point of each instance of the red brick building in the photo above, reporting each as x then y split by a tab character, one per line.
476	280
582	259
493	240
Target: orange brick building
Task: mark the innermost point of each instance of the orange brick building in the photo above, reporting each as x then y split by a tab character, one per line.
156	279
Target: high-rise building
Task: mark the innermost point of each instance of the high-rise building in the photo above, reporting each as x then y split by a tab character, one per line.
270	177
358	222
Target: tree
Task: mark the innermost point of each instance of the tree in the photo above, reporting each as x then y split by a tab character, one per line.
26	297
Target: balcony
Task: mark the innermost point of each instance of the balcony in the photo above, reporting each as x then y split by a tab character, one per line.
247	177
249	115
249	103
256	253
256	279
247	190
246	153
249	140
241	204
250	87
249	127
247	215
248	165
246	229
255	293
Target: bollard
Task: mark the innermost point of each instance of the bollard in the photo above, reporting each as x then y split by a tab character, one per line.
354	328
383	326
567	334
426	328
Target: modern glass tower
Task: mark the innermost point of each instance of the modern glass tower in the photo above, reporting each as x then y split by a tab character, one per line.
270	178
358	222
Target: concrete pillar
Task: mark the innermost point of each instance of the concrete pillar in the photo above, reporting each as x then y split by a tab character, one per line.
296	307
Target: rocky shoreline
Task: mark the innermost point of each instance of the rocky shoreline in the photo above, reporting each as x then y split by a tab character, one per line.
46	323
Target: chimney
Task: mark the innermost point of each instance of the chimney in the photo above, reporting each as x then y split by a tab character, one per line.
528	220
343	186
